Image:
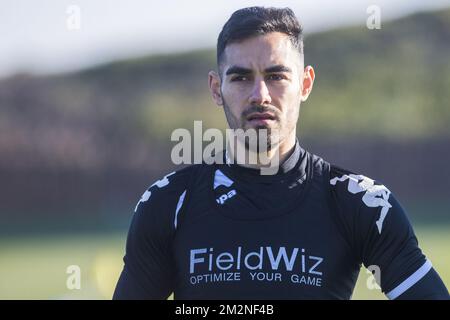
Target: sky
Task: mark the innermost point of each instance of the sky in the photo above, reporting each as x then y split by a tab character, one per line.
52	36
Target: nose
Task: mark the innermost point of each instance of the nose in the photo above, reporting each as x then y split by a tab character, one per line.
260	94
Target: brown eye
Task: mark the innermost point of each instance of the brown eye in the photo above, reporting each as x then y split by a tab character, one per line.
275	77
239	78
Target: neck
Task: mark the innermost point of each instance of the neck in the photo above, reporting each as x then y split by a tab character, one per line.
270	159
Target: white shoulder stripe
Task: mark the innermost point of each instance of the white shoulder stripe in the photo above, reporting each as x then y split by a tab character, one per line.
179	205
410	281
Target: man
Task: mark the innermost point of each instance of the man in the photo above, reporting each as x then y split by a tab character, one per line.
226	231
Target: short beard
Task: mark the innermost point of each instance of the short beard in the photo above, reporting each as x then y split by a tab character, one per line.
271	139
264	143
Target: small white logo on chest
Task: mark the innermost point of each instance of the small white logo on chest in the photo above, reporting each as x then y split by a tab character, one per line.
226	196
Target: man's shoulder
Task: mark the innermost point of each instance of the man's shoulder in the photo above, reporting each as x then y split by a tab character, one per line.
170	187
361	197
349	189
349	182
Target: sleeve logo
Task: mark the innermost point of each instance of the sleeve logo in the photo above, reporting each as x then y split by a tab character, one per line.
374	195
160	184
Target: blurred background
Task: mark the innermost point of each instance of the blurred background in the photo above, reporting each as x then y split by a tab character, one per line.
91	91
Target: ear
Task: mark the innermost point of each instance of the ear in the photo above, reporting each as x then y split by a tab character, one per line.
308	80
214	87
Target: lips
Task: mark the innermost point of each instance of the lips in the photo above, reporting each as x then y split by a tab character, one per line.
261	116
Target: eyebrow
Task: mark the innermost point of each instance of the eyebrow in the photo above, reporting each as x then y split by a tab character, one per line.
278	68
245	71
238	70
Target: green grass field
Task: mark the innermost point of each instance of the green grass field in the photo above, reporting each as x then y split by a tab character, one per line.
35	267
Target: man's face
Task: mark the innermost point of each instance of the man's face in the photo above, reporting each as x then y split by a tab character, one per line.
262	83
